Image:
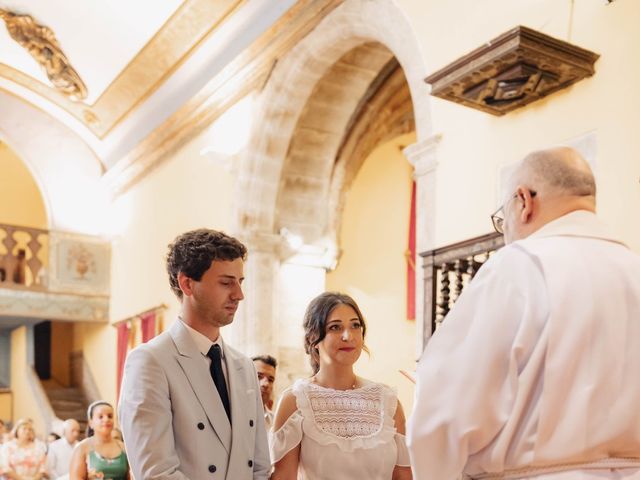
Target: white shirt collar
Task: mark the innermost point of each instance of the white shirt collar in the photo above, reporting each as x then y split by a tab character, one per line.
202	342
579	223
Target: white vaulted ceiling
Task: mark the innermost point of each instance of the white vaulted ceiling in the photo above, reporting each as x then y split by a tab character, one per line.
141	61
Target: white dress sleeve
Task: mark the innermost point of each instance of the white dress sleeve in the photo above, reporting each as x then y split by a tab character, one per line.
286	438
403	451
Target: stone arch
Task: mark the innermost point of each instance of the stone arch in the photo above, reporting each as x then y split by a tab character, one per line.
348	28
387	114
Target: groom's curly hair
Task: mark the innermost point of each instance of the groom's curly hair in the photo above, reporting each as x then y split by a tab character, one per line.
193	252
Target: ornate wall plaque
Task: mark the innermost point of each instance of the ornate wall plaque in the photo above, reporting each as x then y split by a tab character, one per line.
79	264
42	45
511	71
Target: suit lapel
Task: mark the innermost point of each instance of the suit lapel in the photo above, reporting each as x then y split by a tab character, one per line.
239	395
194	368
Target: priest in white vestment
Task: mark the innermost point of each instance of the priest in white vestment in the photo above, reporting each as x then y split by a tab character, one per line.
535	372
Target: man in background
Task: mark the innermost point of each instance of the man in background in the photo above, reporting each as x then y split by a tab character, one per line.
59	455
266	369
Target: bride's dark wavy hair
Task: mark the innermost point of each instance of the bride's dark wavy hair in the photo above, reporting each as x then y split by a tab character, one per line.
315	322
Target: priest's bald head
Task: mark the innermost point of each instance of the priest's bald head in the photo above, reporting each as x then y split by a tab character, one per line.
544	186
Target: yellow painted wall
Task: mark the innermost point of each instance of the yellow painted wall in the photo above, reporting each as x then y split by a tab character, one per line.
6	400
24	404
186	192
99	351
372	268
475	144
61	347
21	202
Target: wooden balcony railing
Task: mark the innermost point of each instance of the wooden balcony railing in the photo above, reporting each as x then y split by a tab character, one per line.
24	256
447	270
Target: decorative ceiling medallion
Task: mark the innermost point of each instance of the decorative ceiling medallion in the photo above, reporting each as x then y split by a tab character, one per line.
511	71
42	45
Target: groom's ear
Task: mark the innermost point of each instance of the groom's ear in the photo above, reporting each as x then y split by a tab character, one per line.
186	284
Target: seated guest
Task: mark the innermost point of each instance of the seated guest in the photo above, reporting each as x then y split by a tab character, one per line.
335	424
59	456
266	369
23	457
99	455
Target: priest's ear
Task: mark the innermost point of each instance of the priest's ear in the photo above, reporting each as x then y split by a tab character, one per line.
525	207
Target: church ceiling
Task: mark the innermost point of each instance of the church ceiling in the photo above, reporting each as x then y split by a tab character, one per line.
117	73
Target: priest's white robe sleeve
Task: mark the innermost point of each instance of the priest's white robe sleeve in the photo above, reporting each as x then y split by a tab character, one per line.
468	376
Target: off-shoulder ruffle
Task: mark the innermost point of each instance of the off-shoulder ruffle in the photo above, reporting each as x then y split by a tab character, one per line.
286	438
384	435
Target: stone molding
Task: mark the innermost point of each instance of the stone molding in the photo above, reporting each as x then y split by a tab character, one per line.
56	306
422	155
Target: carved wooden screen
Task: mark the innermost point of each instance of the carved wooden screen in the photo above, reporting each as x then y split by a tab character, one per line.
447	270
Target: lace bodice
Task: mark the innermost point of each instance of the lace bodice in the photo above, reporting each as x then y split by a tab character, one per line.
347	414
342	434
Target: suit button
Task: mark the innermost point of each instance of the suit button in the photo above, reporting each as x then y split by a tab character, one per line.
251	463
212	468
200	426
251	423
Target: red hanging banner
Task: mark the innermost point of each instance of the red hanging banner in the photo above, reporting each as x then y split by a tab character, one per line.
123	346
148	326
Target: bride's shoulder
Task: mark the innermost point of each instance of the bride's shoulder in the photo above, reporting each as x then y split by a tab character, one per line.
287	406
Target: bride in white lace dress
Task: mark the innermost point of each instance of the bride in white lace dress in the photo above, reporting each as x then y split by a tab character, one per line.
335	425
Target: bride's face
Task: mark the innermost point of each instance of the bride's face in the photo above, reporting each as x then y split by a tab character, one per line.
343	339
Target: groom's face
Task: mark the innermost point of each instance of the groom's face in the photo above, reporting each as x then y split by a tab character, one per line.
216	296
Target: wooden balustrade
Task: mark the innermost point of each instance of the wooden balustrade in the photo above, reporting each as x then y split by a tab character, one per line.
23	257
447	270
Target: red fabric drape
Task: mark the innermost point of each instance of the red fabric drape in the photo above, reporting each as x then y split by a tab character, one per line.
411	259
148	326
123	345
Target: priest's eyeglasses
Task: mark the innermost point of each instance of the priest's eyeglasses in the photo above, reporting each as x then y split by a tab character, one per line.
497	218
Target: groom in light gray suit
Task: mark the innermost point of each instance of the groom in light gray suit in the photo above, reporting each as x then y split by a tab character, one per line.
190	406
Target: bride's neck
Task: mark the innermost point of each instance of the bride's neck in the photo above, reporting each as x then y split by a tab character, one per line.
338	378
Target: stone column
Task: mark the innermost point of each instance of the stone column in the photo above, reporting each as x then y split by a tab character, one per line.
302	277
252	331
279	283
423	158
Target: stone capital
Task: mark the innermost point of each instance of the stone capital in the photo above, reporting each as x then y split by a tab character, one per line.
422	155
317	256
261	241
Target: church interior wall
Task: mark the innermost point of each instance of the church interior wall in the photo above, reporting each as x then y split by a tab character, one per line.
6	398
24	403
21	202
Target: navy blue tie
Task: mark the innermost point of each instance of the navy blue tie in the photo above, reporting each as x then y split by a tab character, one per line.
215	368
